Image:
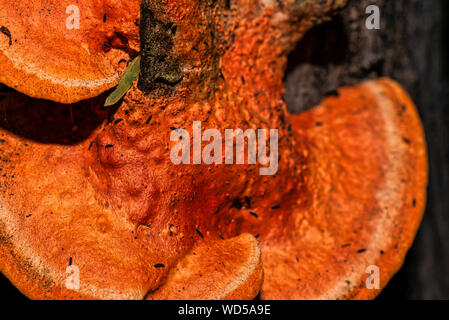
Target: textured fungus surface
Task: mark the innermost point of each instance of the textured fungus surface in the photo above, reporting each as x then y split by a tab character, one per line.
349	191
43	58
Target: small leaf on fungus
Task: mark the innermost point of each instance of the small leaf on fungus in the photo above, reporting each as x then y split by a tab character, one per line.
126	81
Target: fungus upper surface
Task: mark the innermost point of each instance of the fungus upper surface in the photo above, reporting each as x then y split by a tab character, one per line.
45	55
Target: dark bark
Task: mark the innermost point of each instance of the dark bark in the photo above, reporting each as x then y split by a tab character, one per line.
159	68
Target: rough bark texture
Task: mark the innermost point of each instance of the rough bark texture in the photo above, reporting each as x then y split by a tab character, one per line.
410	48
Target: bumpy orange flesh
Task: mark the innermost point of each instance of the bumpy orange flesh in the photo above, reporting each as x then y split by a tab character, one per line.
45	59
366	180
357	201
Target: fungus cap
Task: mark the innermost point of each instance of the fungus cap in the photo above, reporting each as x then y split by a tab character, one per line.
66	52
367	182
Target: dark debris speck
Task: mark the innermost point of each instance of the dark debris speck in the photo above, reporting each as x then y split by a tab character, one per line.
247	201
199	233
7	33
254	214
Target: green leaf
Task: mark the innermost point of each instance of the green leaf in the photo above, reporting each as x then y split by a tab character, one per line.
126	81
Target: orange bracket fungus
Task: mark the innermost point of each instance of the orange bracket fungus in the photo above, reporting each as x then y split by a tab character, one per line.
45	57
91	192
